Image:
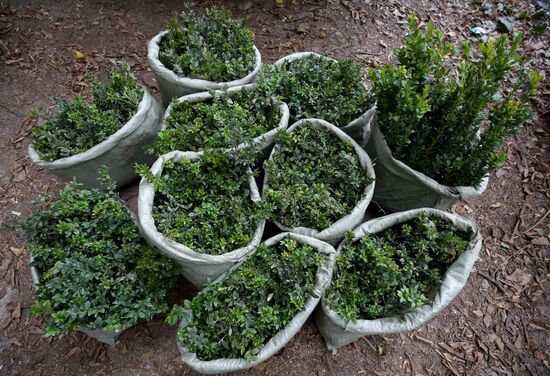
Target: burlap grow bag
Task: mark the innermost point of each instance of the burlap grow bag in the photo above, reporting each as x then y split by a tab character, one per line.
262	143
358	129
399	187
338	229
279	340
196	267
173	86
119	152
109	337
338	332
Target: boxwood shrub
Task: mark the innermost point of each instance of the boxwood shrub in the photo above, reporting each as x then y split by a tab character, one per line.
224	121
395	270
205	204
214	47
431	111
235	318
95	270
314	178
320	87
76	125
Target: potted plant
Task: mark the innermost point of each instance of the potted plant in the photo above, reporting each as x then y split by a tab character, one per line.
229	119
316	86
396	272
204	53
201	210
92	271
318	181
79	137
439	128
252	312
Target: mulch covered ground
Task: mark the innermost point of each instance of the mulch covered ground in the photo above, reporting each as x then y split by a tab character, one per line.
498	325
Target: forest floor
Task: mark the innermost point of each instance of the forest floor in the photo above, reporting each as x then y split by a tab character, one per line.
498	325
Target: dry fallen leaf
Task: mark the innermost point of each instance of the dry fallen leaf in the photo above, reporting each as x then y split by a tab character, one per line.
478	355
302	27
12	61
500	344
16	314
17	251
15	341
541	241
78	54
74	350
520	277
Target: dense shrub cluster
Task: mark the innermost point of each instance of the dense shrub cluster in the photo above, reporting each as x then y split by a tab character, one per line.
222	122
395	270
236	317
314	178
95	270
431	114
214	47
320	87
77	125
205	204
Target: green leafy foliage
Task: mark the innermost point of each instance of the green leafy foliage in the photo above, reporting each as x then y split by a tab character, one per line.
77	125
431	113
395	270
222	122
205	204
95	270
214	47
318	87
236	317
314	179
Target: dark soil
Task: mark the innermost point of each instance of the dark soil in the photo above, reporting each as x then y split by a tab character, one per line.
498	325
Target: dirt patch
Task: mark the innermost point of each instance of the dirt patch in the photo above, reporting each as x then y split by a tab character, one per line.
497	325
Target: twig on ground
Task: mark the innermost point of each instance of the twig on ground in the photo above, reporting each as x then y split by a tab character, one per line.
447	365
493	281
538	222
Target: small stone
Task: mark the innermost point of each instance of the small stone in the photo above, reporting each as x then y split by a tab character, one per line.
506	24
245	5
486	5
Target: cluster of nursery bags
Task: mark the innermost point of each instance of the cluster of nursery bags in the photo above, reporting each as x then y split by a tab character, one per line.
396	188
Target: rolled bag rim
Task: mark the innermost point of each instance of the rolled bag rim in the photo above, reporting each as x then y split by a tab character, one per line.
366	117
279	340
394	165
204	96
153	49
328	234
104	146
456	275
178	251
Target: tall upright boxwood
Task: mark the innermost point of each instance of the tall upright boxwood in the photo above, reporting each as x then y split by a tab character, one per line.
79	124
431	112
214	47
95	271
